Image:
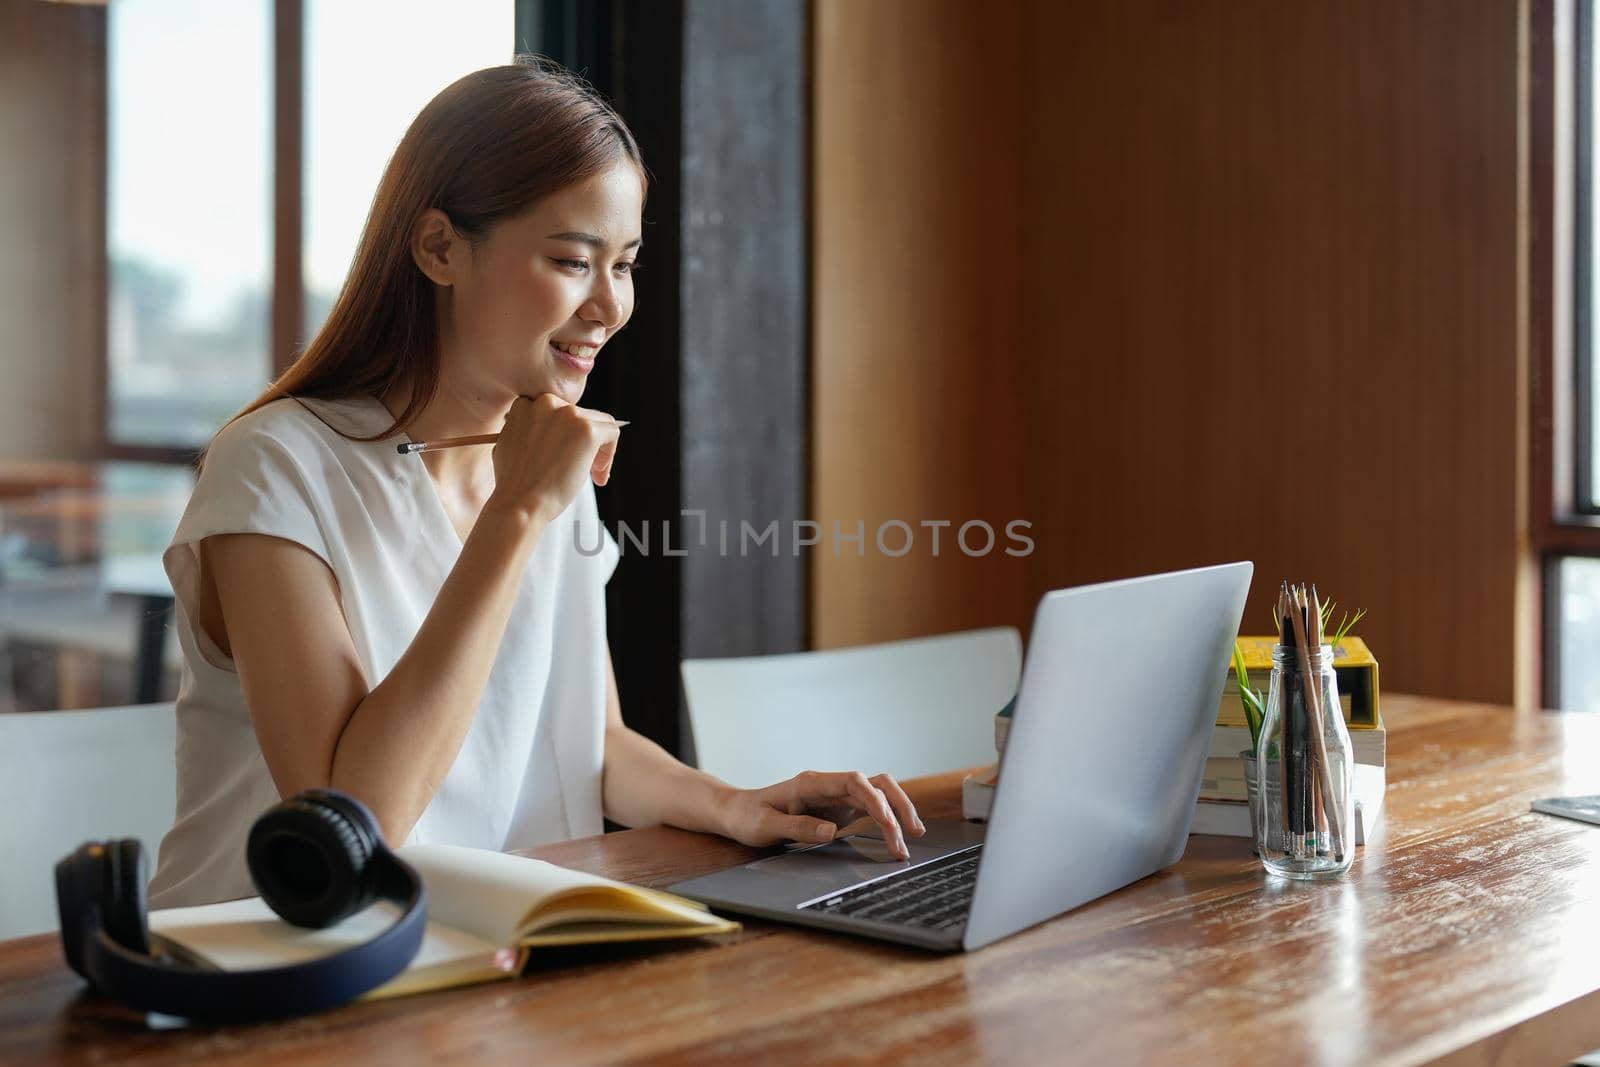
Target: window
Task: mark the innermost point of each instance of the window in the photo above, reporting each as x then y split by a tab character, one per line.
198	319
370	66
189	216
1578	632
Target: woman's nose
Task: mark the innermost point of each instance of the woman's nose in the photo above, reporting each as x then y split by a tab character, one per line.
604	306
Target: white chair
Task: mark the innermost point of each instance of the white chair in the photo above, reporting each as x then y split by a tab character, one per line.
67	777
907	707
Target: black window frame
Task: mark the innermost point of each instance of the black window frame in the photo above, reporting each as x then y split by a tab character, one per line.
1584	501
1565	515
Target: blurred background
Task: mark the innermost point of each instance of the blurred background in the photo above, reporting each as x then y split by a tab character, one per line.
1174	283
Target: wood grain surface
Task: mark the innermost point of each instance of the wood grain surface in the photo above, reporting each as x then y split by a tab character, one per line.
1251	209
1103	243
917	346
53	107
1465	932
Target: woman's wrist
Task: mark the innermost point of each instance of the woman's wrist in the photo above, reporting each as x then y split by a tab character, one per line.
644	785
708	805
515	518
722	805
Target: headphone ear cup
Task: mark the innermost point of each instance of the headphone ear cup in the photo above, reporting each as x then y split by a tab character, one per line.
125	899
80	884
311	858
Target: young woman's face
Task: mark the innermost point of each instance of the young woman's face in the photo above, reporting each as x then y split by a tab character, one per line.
548	288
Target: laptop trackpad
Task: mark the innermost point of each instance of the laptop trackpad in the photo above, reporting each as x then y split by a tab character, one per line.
813	872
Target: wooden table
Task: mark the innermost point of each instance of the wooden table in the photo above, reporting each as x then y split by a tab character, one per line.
1468	931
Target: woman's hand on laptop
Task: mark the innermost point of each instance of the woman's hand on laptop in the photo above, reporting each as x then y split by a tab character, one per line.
812	806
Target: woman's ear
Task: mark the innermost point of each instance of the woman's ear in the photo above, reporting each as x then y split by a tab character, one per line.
436	247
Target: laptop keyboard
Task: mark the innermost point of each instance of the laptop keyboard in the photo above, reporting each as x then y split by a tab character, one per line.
935	898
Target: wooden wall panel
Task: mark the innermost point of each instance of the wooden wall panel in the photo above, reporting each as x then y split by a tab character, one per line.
917	312
52	212
1310	205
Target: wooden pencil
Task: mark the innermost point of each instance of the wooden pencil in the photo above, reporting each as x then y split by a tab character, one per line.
1320	760
1320	748
1293	741
411	448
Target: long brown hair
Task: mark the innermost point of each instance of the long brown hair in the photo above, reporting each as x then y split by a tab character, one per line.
488	147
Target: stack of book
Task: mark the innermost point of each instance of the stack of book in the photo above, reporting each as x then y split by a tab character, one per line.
1224	775
1222	808
977	789
1354	668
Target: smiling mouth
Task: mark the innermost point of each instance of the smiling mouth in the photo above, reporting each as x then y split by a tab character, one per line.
578	357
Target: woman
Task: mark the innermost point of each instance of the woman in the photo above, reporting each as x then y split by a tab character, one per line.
425	632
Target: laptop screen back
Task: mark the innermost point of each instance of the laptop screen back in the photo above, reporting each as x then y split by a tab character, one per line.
1102	765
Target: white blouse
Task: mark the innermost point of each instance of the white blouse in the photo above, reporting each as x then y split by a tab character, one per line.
529	769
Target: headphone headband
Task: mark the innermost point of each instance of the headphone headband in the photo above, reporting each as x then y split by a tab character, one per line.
315	858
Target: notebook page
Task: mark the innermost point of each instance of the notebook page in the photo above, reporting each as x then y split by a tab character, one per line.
491	893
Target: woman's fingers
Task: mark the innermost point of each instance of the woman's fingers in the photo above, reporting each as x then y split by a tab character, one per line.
903	808
779	826
870	799
604	457
547	450
878	807
841	796
609	432
762	819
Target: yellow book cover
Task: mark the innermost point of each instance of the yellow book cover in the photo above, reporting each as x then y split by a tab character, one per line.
1353	665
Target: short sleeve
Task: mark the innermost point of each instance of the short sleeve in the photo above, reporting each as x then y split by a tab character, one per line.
252	481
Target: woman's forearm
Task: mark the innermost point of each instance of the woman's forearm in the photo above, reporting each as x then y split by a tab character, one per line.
402	739
644	785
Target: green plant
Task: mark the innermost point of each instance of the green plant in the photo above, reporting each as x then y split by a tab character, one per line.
1346	623
1254	703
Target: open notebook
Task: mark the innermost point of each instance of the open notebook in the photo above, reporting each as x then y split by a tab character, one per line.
486	912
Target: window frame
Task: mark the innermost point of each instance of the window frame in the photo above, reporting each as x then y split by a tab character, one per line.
287	316
1583	501
1564	520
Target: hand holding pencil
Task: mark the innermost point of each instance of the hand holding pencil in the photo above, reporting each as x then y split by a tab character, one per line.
411	448
543	454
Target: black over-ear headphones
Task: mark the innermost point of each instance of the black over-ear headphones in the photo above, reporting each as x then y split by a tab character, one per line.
315	858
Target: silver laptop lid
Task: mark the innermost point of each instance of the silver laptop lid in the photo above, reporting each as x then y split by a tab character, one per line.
1108	741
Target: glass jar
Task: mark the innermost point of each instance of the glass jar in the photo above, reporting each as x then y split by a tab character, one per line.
1303	770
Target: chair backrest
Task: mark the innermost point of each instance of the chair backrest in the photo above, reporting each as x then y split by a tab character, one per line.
907	707
67	777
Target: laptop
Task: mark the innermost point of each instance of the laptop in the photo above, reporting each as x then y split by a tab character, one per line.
1097	788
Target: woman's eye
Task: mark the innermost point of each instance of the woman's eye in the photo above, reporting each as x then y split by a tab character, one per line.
580	265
